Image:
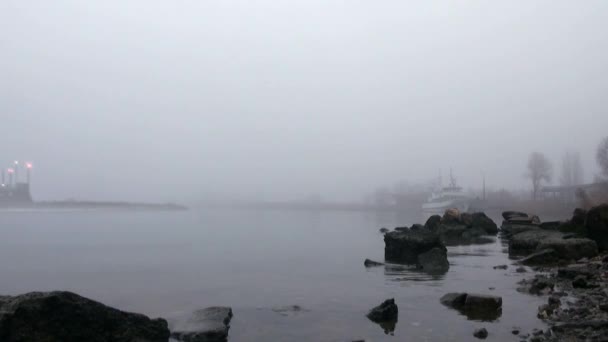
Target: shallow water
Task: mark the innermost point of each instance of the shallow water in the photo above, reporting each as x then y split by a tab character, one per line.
168	263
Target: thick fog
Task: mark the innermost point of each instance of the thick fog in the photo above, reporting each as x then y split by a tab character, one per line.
172	100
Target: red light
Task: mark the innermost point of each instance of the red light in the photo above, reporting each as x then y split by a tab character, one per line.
10	170
28	165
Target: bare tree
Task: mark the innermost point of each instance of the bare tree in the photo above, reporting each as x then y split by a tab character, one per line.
602	158
572	169
539	170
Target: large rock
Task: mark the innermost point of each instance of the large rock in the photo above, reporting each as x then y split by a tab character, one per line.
596	223
482	221
434	260
516	217
404	247
527	242
66	317
385	312
206	325
432	223
466	219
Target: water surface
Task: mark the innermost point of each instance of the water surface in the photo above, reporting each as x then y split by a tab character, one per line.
168	263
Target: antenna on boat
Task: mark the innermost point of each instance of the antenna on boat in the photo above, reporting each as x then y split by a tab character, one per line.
452	179
484	185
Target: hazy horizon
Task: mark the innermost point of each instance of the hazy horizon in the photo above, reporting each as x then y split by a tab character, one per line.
155	100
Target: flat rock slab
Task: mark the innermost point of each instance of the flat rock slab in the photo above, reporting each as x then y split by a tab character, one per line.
206	325
65	316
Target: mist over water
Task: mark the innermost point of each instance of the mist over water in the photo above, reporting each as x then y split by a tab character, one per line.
157	100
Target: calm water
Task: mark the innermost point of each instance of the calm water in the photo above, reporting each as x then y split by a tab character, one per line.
168	263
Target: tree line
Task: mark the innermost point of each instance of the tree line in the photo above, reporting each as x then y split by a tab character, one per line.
540	168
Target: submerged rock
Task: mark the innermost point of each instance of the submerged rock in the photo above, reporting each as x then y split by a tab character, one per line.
65	316
434	260
372	263
206	325
384	230
387	311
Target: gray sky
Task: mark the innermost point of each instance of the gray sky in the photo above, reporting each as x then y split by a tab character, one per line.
280	99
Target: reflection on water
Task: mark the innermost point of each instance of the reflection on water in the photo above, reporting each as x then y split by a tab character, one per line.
396	272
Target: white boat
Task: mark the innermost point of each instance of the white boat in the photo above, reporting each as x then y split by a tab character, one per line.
448	197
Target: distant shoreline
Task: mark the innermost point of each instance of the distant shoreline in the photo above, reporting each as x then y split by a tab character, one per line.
106	205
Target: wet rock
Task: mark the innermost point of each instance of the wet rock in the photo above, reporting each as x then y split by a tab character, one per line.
550	225
474	306
451	216
596	223
483	222
66	316
384	230
580	282
572	271
500	267
385	312
206	325
509	229
402	229
434	260
539	285
417	227
454	300
404	247
570	249
542	257
515	331
521	269
481	333
482	303
432	223
527	242
372	263
466	219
